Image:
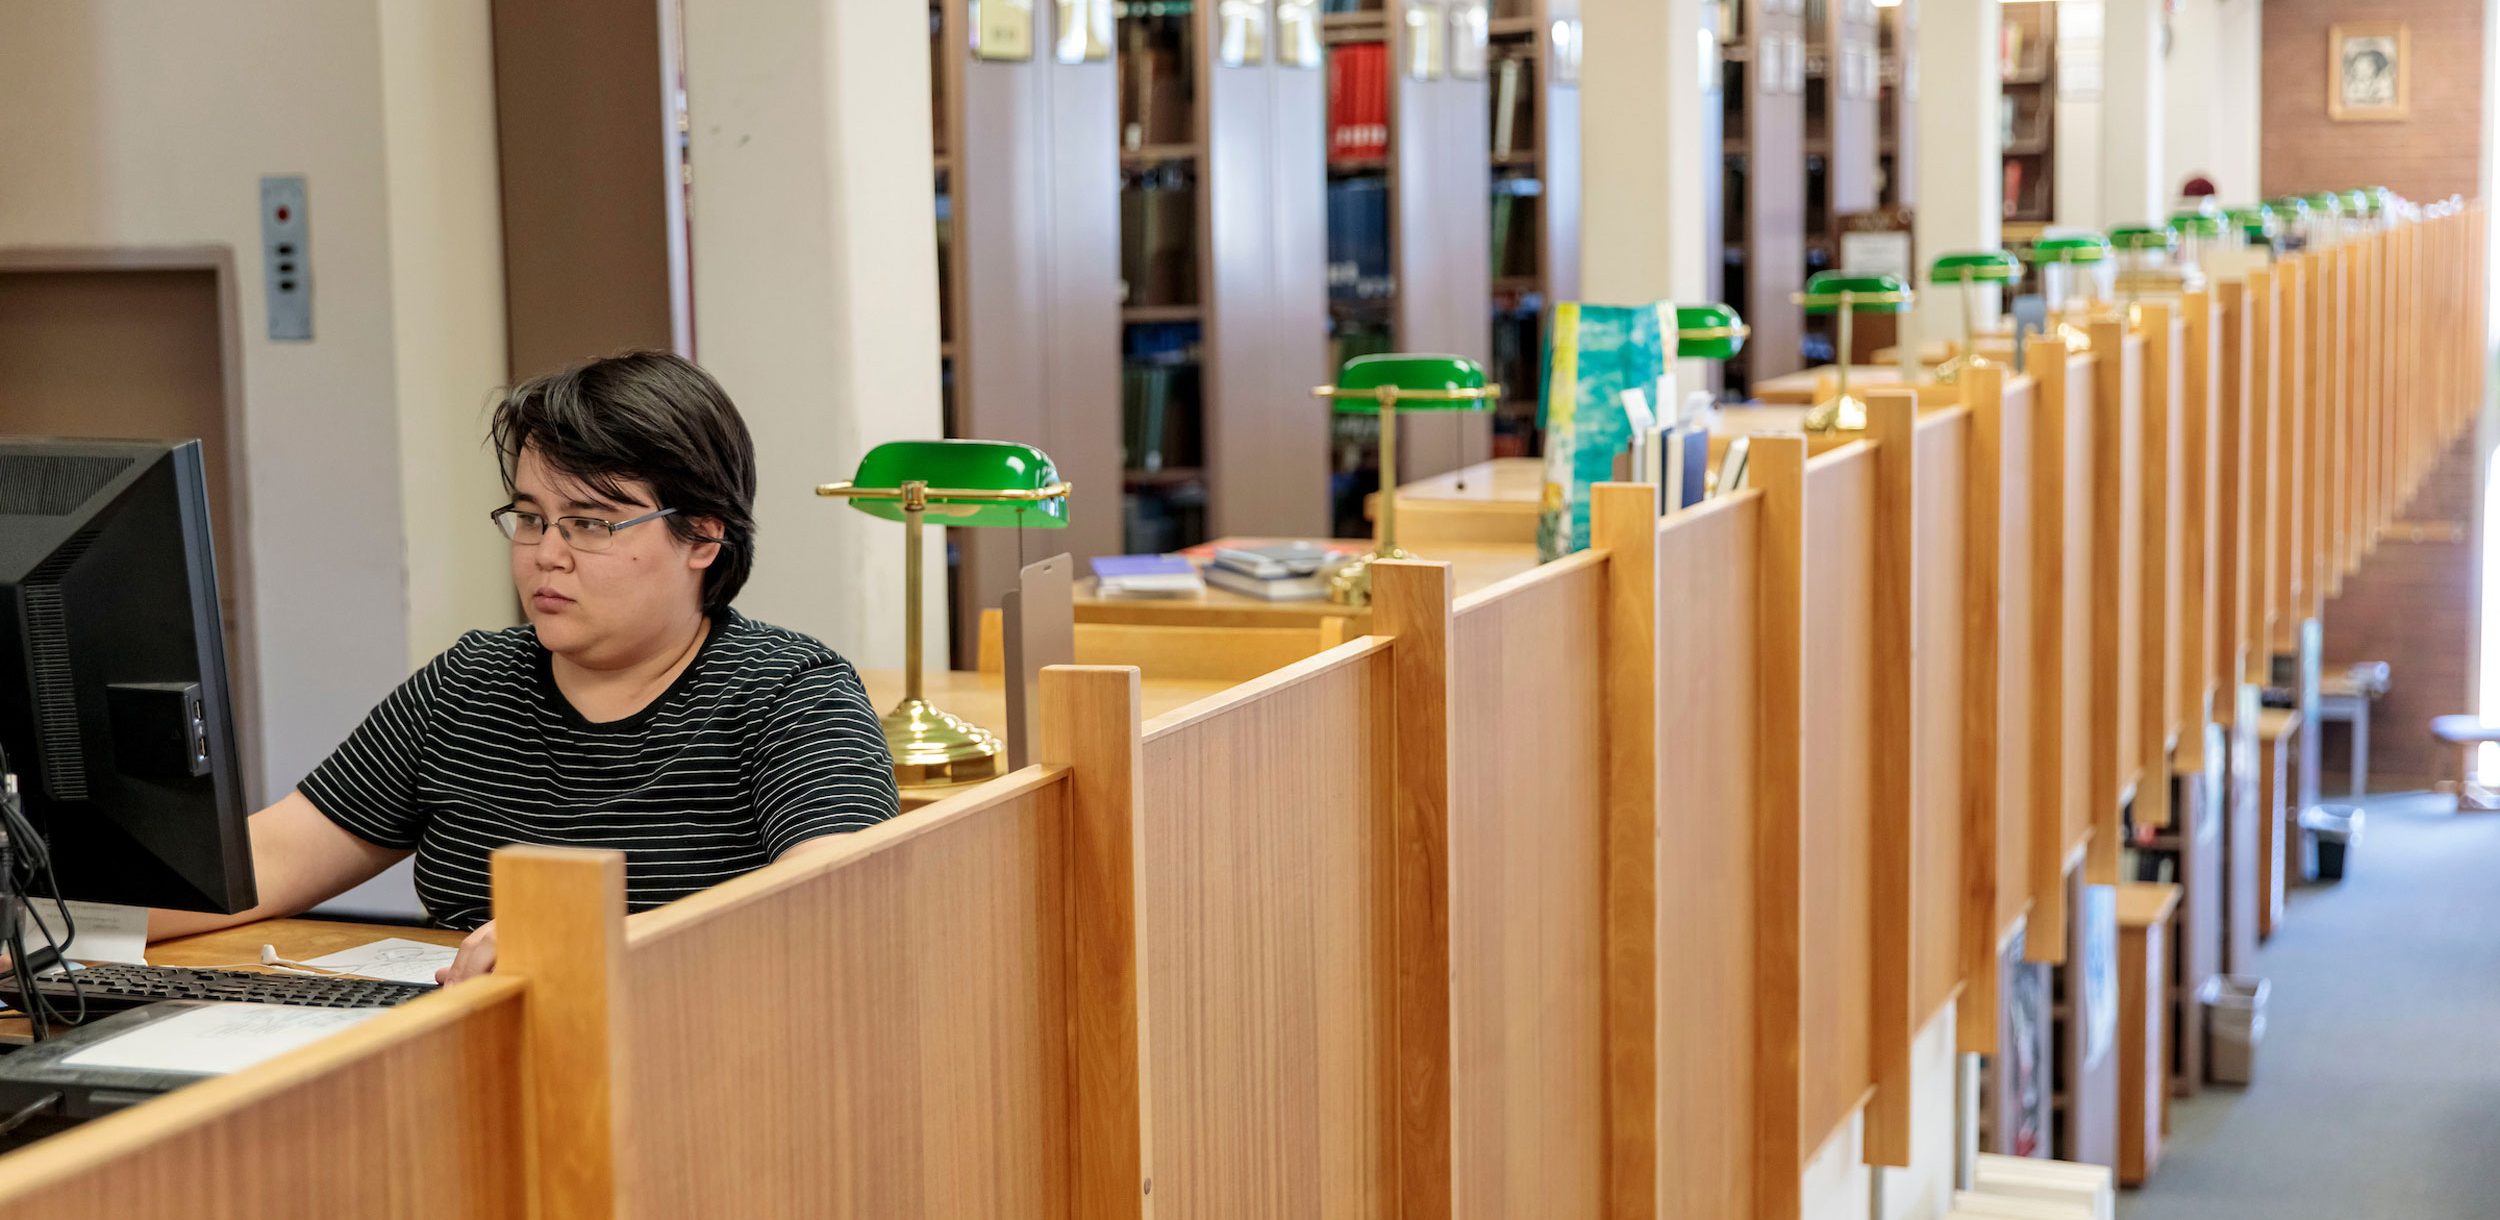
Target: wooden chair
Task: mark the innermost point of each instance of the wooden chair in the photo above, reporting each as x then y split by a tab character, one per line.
1181	654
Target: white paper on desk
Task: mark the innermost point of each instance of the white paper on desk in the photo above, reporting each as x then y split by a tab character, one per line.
219	1038
105	933
393	957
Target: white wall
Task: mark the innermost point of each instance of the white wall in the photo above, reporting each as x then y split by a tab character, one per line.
2215	97
446	243
1961	164
2077	157
140	123
1840	1185
1924	1189
810	152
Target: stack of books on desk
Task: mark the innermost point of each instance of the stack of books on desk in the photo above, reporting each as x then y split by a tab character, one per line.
1276	571
1146	576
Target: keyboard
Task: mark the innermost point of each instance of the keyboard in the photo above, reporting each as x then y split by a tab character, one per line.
113	987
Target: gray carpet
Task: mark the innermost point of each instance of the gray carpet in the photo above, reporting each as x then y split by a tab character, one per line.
2378	1084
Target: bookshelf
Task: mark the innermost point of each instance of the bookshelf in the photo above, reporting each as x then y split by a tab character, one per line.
1406	134
1222	275
1762	56
1896	105
1841	142
2027	122
1534	162
1029	265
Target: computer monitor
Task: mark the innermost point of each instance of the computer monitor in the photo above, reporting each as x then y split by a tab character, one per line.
113	707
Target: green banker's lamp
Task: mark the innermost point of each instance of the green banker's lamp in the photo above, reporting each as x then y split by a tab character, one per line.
2060	259
1967	271
1839	292
2255	223
2144	262
2326	225
1708	332
2291	213
1384	385
960	483
2200	234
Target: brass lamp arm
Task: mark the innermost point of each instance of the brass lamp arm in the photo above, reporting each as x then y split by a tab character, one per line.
1393	394
1056	491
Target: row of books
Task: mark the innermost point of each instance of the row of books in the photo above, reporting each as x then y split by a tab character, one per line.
1514	234
1155	97
1160	419
1358	239
1514	101
1159	240
1358	101
1267	569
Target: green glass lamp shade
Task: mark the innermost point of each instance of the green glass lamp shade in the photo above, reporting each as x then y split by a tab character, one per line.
2140	238
971	483
1411	383
1708	332
2359	203
2291	207
1976	267
1832	291
2257	222
2072	249
2196	224
2327	203
2205	205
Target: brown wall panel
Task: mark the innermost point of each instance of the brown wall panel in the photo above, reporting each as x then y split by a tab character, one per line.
2434	153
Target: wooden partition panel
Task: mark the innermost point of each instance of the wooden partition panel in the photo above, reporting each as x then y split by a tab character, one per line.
2198	503
2013	794
2117	576
1272	916
1992	628
2318	549
2263	403
2062	460
1527	880
2288	595
414	1115
930	1074
1778	468
2160	482
1712	1033
1835	814
1945	563
2230	518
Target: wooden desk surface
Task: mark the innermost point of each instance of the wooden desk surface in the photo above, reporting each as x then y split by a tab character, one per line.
1509	483
2141	904
982	699
2277	723
1473	566
239	948
1800	388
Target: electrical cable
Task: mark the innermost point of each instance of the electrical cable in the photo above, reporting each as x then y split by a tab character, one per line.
31	1110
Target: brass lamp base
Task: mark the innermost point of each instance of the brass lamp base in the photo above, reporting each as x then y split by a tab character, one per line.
1846	413
935	749
1351	583
1950	372
2077	339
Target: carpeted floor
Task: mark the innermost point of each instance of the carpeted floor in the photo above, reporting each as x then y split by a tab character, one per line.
2378	1083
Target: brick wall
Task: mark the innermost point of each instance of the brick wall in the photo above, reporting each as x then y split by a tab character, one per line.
2431	155
2412	605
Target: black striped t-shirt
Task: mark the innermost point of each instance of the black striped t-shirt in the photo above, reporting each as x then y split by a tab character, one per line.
766	739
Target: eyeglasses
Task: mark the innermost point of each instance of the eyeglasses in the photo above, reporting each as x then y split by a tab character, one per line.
580	533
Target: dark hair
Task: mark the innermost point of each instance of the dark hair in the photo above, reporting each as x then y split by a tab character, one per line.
648	416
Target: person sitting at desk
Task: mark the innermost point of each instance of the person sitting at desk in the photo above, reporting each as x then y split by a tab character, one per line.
634	710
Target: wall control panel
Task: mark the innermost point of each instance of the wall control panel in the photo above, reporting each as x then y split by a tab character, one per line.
286	255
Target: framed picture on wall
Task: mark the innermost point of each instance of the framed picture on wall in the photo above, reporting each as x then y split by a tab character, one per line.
2369	71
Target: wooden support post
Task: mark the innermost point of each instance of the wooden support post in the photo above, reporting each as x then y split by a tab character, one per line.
2264	411
1778	467
2198	507
2284	589
1892	423
1413	603
2157	410
1976	1019
2054	755
560	923
2117	571
1623	520
1090	725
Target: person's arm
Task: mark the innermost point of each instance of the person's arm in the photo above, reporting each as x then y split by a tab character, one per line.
299	857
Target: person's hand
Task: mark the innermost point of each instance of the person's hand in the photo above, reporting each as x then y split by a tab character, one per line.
477	956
